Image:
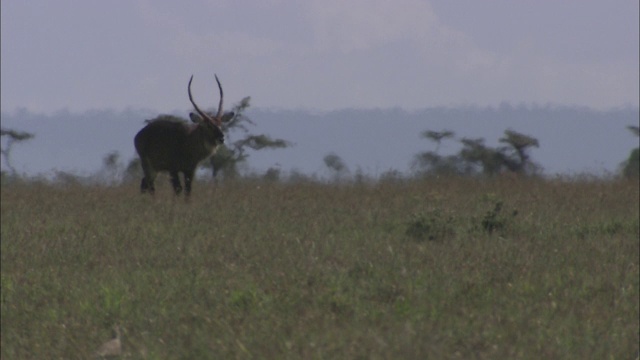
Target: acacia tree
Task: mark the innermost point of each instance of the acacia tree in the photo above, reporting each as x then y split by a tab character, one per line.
12	137
228	157
431	162
513	157
516	154
438	136
480	157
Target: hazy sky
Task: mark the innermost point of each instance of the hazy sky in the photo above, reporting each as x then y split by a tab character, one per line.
318	54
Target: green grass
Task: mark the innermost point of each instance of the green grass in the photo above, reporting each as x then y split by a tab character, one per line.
438	269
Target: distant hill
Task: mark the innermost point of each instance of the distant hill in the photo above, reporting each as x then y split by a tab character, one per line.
572	140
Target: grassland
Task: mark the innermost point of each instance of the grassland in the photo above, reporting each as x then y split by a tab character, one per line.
433	269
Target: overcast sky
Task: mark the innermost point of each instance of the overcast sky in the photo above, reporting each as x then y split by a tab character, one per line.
318	54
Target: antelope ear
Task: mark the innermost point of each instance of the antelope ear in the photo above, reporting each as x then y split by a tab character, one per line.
195	118
228	116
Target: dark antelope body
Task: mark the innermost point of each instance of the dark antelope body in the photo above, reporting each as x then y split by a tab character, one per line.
178	146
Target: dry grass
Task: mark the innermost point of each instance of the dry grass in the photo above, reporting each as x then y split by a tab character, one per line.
452	268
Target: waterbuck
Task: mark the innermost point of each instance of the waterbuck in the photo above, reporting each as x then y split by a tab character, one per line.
178	146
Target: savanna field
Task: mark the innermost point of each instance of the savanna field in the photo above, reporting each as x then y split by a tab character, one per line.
454	268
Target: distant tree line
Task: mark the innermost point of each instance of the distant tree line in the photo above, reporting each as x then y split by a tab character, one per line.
475	157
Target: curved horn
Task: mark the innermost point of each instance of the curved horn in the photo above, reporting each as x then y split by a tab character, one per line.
219	114
200	112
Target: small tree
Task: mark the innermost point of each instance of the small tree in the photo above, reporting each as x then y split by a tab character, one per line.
438	136
515	155
228	157
480	157
115	171
336	165
111	168
432	163
12	137
133	171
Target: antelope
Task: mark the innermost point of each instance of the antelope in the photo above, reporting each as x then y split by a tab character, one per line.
178	146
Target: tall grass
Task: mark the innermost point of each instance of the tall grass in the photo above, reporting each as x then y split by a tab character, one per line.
450	268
